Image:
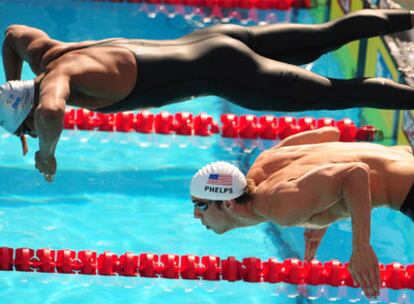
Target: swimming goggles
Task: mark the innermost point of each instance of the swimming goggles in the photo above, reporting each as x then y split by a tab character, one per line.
203	205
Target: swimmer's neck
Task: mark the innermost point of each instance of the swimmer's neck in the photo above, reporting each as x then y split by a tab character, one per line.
247	215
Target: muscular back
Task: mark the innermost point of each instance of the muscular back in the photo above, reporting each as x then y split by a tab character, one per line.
98	75
391	168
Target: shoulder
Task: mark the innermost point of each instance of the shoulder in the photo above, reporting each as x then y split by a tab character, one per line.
274	203
29	43
257	171
27	40
286	204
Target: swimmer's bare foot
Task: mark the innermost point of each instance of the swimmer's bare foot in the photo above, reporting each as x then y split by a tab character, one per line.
408	127
407	4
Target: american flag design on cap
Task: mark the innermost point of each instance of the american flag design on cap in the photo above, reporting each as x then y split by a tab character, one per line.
220	179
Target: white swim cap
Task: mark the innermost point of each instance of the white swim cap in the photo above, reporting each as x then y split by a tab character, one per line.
218	181
16	101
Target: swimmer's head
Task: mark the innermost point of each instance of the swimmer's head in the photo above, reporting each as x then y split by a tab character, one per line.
220	194
218	181
16	102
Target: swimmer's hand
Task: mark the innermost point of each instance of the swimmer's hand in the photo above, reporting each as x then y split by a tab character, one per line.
313	238
365	271
46	166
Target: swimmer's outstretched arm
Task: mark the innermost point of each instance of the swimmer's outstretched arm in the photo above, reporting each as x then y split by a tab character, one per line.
325	134
54	91
309	198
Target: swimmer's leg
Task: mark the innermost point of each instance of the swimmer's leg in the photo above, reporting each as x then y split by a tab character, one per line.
311	41
282	88
303	43
238	74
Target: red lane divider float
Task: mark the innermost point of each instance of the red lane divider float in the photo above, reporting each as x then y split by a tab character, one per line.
232	126
244	4
192	267
245	11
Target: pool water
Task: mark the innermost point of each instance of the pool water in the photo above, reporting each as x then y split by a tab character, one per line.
129	192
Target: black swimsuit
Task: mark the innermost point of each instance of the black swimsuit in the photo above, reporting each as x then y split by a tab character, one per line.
164	73
408	206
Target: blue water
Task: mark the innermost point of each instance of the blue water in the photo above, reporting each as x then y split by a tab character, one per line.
129	192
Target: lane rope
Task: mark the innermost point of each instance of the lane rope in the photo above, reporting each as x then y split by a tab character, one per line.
231	126
192	267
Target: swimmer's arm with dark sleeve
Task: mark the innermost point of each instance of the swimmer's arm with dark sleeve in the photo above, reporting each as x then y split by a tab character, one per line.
325	134
54	91
297	201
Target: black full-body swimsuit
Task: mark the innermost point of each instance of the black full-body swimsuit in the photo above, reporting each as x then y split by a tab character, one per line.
255	67
408	205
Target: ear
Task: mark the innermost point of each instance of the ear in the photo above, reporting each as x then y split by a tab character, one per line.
229	204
